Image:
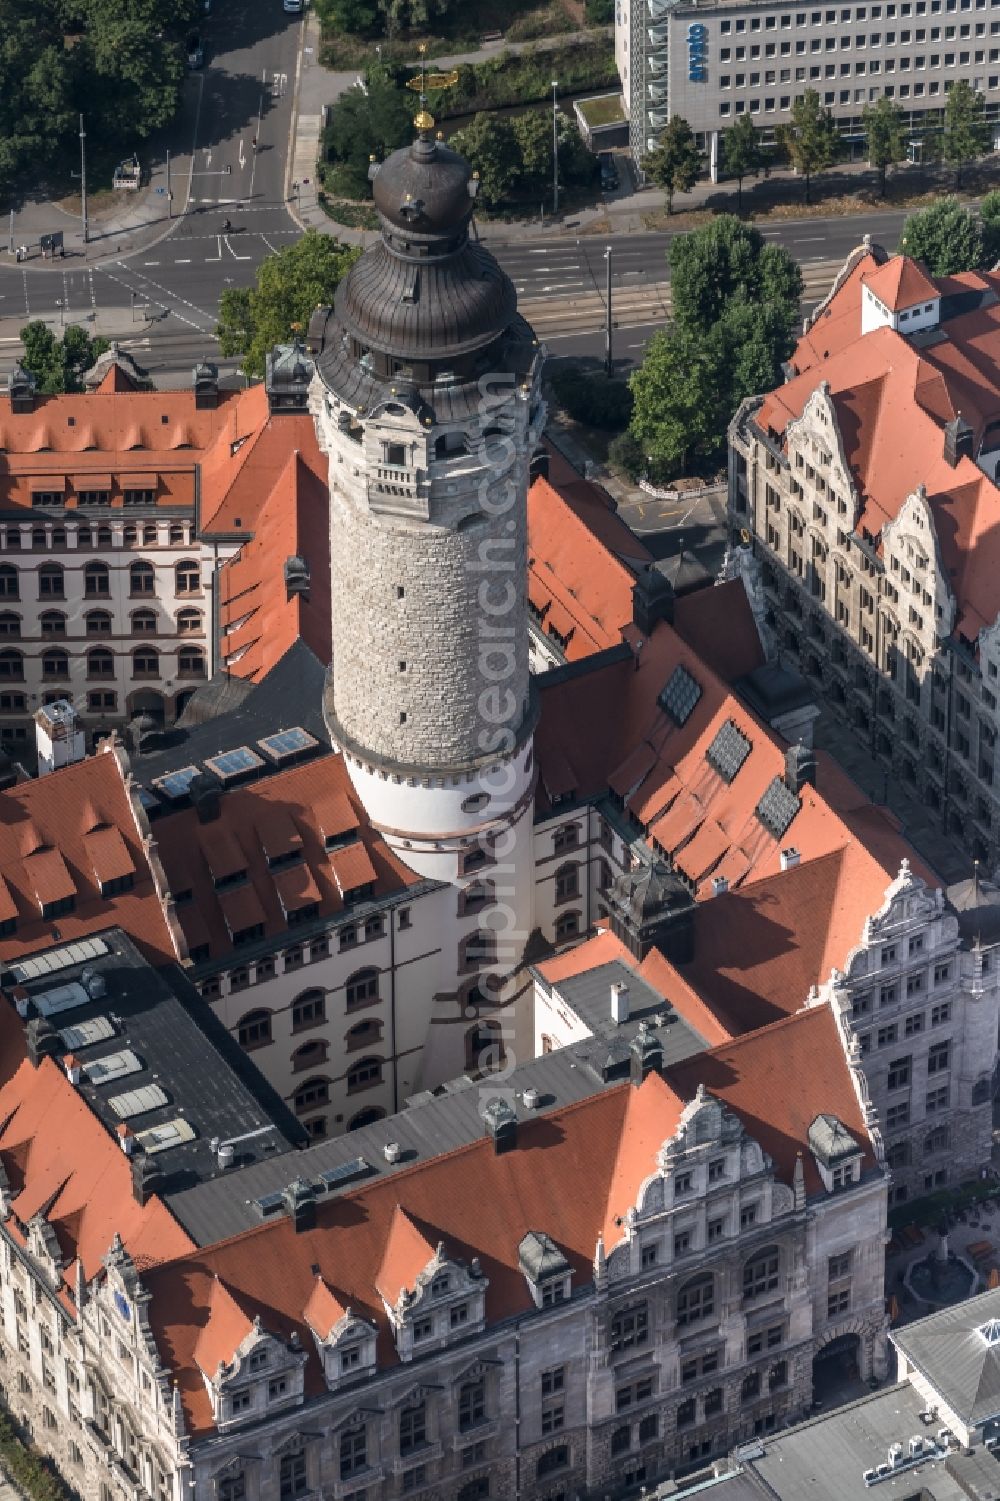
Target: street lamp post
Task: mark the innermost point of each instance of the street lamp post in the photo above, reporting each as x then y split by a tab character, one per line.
83	180
169	205
555	147
609	359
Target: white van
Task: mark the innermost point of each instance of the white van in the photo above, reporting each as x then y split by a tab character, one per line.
292	6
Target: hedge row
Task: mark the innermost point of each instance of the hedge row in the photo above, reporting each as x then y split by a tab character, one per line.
34	1475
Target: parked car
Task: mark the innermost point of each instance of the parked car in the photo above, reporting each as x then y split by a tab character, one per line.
609	172
292	6
195	51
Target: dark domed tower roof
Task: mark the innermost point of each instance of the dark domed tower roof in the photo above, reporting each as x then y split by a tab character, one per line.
427	300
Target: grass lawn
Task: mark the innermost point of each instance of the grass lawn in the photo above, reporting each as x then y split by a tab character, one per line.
605	111
462	30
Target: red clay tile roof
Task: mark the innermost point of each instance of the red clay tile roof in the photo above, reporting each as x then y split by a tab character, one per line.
59	1158
302	796
718	625
575	579
224	1331
571	1174
901	282
892	400
47	849
259	620
323	1309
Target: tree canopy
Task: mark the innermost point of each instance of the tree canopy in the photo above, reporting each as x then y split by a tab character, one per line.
946	236
366	124
735	303
885	130
121	65
967	132
741	152
811	138
290	285
513	155
675	163
59	365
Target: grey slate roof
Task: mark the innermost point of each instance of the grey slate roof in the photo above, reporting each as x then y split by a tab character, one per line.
831	1141
949	1350
181	1046
589	995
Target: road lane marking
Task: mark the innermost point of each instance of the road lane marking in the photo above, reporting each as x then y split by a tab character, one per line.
811	240
185	262
267	241
218	240
150	263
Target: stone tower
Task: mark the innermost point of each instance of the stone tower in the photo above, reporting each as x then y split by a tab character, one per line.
426	400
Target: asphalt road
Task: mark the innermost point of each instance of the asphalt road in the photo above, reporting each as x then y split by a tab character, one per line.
163	301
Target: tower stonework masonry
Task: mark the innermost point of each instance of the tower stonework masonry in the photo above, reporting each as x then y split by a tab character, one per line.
427	402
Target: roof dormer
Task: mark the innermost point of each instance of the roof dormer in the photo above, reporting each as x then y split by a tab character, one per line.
346	1342
899	295
837	1153
430	1299
546	1270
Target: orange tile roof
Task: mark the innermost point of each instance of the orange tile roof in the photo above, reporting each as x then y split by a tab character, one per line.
574	576
298	794
60	1160
901	282
718	625
892	400
592	723
109	854
223	1332
323	1309
47	829
571	1174
260	622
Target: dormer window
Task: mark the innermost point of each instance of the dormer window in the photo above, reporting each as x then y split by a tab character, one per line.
394	453
441	1284
836	1152
545	1268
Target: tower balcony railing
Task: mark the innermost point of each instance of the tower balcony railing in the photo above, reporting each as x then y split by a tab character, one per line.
393	487
659	36
658	64
657	93
659	10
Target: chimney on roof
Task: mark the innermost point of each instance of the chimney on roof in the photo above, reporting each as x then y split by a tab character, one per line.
126	1138
646	1054
300	1201
958	441
206	796
789	858
147	1179
72	1066
720	885
800	767
206	386
539	468
619	1003
652	600
501	1125
21	389
42	1040
21	1000
296	577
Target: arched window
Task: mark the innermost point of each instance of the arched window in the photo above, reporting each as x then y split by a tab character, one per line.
142	578
98	622
696	1300
567	926
104	536
55	664
310	1055
308	1009
130	534
364	1074
189	622
96	581
310	1094
566	838
149	533
145	662
191	662
51	583
100	662
477	949
11	666
476	896
52	622
10	623
364	1034
38	536
484	1049
8	582
188	577
366	1117
83	536
762	1272
176	533
254	1029
143	622
567	887
362	988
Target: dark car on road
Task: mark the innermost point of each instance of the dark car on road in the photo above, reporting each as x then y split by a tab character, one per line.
609	172
195	51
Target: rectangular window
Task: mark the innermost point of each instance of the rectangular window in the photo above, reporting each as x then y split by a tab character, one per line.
941	1014
939	1057
937	1100
899	1073
838	1302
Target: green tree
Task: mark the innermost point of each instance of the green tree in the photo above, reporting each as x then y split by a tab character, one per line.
946	236
810	138
533	136
489	143
58	365
741	153
886	132
967	133
356	17
675	163
989	215
728	262
363	125
290	284
675	396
